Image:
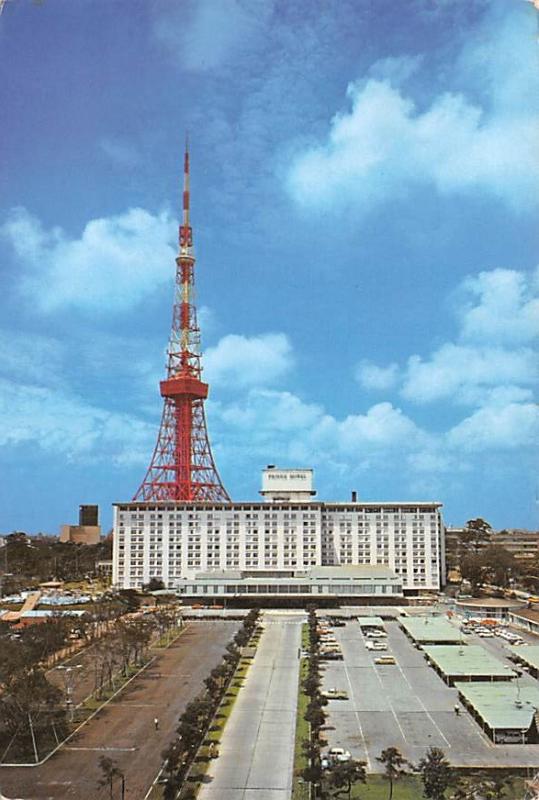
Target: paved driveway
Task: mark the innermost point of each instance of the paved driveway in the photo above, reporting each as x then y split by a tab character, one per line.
257	751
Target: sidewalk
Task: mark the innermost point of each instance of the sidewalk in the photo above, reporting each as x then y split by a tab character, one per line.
257	751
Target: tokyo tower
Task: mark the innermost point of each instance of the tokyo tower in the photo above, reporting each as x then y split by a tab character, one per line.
182	466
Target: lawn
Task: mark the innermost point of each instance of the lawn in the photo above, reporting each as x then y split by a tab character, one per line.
300	790
408	788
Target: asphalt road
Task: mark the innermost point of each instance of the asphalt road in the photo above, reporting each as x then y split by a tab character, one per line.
124	729
406	706
257	751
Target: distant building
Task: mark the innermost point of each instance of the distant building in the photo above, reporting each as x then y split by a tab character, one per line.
524	545
289	532
88	531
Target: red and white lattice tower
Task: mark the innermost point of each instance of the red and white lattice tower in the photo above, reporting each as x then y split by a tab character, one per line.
182	466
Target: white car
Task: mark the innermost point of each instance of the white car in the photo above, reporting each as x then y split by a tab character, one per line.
486	634
376	635
338	754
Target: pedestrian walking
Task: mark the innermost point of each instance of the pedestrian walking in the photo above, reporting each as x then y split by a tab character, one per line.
457	710
156	724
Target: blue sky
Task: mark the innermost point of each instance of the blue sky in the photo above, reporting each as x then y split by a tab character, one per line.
365	185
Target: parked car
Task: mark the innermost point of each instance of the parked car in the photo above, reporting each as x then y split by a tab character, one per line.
376	645
376	635
338	754
335	694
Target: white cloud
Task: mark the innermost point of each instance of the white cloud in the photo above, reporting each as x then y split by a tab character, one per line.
501	305
370	376
280	425
498	317
479	135
495	427
27	356
63	424
116	262
457	371
248	361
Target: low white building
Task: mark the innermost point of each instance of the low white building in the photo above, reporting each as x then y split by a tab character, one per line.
174	541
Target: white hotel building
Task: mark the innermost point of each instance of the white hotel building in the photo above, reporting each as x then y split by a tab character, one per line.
287	533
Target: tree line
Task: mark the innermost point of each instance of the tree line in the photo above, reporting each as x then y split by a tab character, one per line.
33	716
25	559
198	714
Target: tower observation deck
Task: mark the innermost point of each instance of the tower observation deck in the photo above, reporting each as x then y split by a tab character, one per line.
182	466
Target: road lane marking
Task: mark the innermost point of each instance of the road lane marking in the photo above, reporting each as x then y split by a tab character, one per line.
107	749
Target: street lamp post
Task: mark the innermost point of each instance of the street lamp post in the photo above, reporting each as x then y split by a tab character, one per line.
69	681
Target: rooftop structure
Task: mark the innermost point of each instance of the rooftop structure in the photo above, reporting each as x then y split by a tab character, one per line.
370	622
493	607
325	584
182	466
527	654
525	618
466	663
501	708
430	630
287	485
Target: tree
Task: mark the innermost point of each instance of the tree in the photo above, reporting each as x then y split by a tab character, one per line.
476	534
110	771
500	565
394	764
484	786
344	774
154	584
436	774
473	570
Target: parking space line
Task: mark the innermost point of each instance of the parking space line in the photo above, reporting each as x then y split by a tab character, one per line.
422	704
352	695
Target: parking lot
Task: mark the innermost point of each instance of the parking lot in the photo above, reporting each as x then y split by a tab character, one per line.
405	705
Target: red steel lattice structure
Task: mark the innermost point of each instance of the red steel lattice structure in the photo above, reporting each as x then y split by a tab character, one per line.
182	466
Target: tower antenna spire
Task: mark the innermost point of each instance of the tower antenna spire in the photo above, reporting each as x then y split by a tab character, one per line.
182	465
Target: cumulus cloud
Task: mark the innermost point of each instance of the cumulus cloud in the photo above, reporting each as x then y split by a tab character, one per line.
458	372
491	357
114	264
371	376
495	427
279	423
248	361
501	305
63	424
477	135
383	145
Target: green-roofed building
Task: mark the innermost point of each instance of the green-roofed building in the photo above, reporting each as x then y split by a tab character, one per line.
506	711
370	622
469	662
527	654
430	630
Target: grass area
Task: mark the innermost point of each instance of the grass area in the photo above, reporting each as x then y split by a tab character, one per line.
408	788
300	790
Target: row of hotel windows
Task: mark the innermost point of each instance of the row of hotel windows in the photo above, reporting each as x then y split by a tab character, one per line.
292	589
